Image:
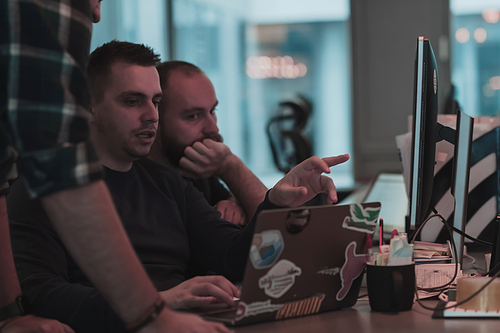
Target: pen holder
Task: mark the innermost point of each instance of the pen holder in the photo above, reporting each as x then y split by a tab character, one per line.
391	288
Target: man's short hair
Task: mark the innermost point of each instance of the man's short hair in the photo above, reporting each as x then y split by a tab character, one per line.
103	57
165	69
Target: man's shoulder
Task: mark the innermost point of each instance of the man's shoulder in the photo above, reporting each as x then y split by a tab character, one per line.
157	171
151	165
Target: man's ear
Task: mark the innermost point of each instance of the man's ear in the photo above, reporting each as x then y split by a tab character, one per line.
92	116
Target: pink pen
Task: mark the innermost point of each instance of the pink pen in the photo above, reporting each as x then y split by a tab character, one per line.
369	246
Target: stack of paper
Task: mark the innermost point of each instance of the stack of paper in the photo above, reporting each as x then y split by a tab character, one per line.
429	252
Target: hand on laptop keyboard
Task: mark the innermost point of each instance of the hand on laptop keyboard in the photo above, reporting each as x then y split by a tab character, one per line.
200	291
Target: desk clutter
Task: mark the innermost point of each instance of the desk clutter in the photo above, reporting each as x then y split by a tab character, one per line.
400	273
486	304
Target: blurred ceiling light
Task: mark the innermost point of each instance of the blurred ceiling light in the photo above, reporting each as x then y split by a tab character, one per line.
462	35
487	91
274	67
264	62
480	35
491	15
495	83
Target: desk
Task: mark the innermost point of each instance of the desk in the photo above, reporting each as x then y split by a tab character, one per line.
360	319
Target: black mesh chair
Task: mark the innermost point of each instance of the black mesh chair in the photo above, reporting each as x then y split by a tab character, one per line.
289	144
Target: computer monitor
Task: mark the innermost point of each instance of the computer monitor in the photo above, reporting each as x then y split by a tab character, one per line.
426	132
495	251
425	111
460	181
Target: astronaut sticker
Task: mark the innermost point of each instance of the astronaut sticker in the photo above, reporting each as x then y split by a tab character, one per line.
280	278
266	248
362	219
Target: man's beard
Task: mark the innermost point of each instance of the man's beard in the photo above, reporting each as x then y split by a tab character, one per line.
174	151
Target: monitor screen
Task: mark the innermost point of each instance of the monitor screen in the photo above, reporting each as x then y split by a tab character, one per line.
426	132
425	110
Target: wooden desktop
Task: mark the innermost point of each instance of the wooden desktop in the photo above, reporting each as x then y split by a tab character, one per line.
360	318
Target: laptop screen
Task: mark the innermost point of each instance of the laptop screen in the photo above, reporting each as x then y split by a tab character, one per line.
389	189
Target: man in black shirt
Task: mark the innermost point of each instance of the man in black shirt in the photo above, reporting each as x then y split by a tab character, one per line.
188	139
166	218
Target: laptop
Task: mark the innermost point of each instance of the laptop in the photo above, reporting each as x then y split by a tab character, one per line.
302	261
389	189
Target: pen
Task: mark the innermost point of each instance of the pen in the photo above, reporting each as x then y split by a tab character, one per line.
381	234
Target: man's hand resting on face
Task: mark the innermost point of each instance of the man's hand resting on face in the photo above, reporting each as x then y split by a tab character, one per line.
305	181
205	159
200	291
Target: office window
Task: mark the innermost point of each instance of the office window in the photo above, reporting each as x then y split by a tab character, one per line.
310	59
475	45
136	21
311	37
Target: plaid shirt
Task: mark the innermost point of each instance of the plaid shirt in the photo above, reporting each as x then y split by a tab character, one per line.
44	96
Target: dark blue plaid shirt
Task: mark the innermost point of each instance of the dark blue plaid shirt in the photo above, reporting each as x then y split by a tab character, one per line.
44	96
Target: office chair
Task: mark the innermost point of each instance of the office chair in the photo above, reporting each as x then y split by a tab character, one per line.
289	144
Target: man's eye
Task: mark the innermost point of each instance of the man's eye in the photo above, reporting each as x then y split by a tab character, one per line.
156	103
192	117
132	102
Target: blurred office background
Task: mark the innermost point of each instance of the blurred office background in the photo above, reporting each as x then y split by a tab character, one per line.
354	60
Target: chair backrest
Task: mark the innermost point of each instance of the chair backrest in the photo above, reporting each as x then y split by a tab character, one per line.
289	144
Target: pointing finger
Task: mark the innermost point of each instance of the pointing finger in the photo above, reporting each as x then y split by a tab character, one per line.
335	160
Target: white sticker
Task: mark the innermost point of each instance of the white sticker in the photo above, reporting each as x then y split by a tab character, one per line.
255	308
279	279
329	271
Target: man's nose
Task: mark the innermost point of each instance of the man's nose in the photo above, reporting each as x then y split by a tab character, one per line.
211	125
150	114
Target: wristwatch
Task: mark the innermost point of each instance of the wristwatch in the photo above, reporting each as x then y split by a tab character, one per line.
20	307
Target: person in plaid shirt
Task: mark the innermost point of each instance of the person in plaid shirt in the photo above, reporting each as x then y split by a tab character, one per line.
44	103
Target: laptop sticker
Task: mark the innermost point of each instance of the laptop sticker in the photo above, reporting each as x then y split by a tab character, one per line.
266	248
288	310
256	308
297	220
329	271
280	278
301	308
362	219
353	267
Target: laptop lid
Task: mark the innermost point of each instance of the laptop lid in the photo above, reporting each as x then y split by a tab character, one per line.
303	261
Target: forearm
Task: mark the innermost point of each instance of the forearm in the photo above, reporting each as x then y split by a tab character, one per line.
9	284
244	185
221	246
87	222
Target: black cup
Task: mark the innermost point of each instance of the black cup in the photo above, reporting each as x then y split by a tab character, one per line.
390	288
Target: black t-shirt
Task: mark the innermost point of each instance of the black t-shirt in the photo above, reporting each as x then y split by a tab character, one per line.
167	221
211	188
